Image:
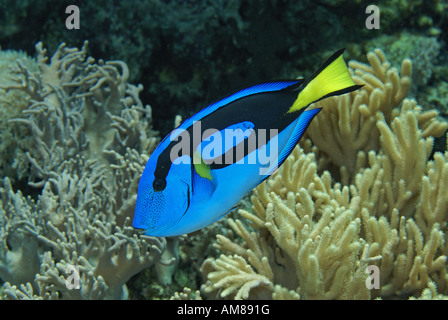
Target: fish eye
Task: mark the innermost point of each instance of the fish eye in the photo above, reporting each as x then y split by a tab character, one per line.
159	184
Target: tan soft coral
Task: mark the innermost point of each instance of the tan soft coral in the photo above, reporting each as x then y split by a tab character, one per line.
363	192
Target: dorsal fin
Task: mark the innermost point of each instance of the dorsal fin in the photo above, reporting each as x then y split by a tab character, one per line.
258	88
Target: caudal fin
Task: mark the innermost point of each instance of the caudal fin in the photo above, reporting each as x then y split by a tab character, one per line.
332	78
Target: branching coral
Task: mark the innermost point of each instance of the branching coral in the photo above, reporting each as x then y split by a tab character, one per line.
74	222
13	141
299	233
313	234
92	138
79	107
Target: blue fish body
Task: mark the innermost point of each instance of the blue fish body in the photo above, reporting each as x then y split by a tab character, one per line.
203	168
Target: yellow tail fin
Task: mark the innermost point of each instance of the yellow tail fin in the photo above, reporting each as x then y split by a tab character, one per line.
332	78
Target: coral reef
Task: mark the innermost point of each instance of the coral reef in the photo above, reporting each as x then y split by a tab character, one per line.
80	108
422	50
415	14
436	94
13	140
90	137
74	136
363	195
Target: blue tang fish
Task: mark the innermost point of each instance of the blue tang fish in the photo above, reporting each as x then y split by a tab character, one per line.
203	168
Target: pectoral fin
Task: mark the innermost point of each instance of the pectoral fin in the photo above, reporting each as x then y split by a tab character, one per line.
201	168
203	184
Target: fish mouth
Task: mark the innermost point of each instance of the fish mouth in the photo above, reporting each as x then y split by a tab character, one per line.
162	229
145	220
